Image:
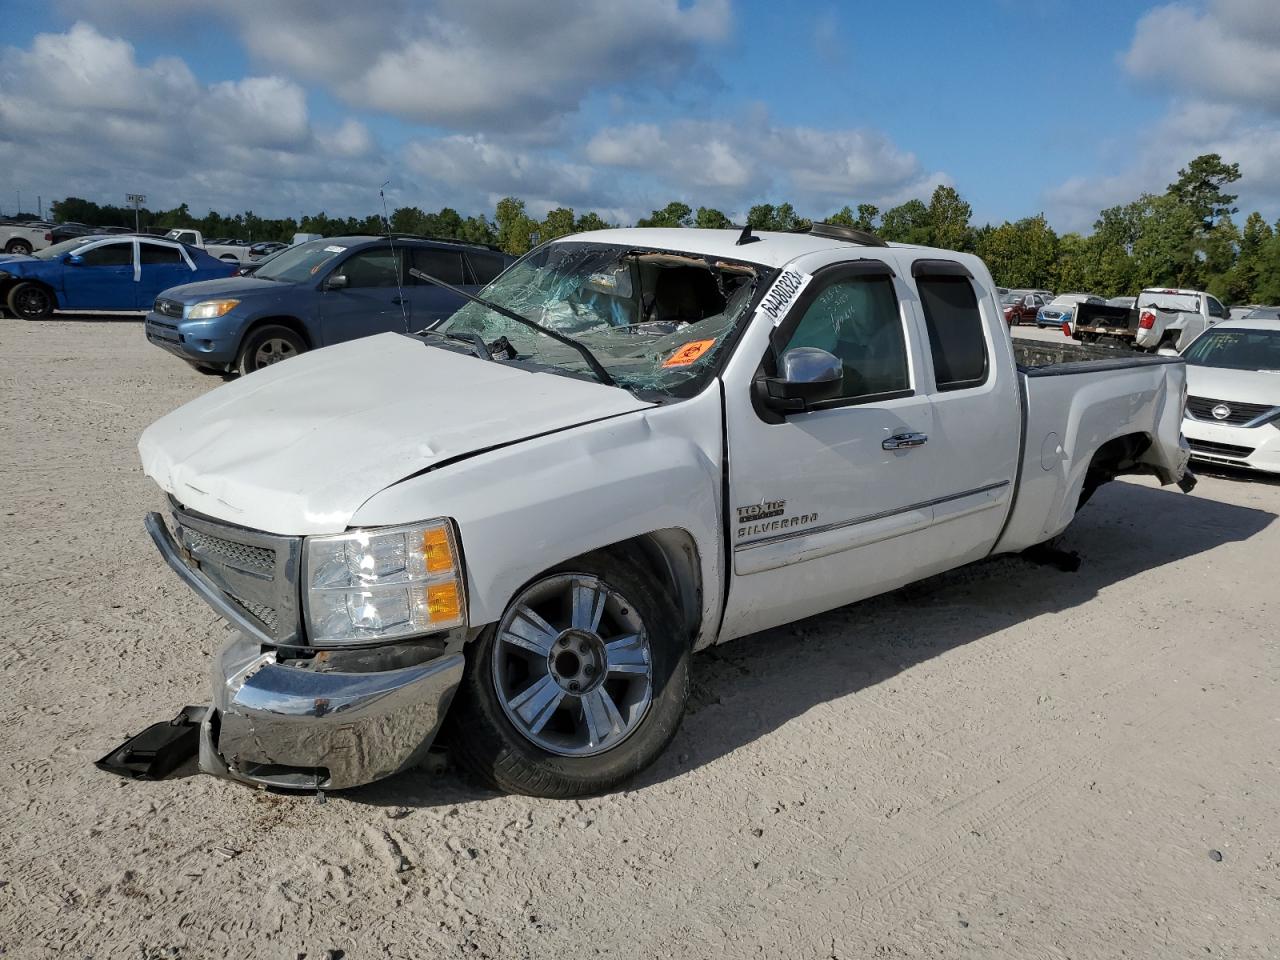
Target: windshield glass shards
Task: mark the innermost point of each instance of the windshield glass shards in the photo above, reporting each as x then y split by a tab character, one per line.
655	320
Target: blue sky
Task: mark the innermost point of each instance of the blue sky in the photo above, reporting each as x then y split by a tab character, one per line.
290	106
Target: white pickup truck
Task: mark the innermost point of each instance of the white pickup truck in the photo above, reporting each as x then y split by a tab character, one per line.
231	252
642	443
22	239
1160	319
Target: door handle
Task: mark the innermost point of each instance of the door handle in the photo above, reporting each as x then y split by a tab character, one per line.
904	441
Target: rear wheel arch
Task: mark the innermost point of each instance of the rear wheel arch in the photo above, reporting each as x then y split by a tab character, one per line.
1116	456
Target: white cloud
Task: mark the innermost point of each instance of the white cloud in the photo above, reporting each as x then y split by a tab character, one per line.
80	115
1230	52
465	65
751	157
1186	131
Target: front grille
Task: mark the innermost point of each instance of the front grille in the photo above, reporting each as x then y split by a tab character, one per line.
170	308
257	571
1219	449
1051	314
242	556
1201	408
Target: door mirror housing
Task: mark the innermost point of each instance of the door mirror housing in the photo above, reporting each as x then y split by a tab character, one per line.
74	259
806	375
338	281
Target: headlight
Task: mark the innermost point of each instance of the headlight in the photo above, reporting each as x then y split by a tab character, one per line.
210	309
368	586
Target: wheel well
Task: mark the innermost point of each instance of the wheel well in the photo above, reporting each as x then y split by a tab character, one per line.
18	241
9	284
1117	456
671	556
292	323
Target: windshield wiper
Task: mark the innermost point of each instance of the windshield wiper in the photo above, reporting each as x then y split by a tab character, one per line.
476	342
596	366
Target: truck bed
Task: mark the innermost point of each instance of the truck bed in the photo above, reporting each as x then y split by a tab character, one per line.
1038	359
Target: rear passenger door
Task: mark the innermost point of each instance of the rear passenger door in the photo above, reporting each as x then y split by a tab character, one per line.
160	266
431	302
976	410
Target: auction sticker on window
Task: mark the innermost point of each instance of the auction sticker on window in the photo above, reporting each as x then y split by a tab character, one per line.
783	294
690	352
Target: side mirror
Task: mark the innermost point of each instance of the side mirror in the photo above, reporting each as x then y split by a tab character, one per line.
807	375
338	281
74	259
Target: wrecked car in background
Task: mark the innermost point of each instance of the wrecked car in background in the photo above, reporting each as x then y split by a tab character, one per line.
632	445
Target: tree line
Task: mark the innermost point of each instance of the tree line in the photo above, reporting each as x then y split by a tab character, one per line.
1184	237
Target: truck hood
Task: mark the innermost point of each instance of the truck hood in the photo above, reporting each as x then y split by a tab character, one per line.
225	288
298	447
1242	386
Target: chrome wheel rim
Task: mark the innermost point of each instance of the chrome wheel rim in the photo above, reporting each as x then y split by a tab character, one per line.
572	665
272	351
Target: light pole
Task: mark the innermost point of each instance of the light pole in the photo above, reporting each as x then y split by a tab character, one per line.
137	199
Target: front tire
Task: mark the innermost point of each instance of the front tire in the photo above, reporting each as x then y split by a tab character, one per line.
19	247
30	301
580	685
268	345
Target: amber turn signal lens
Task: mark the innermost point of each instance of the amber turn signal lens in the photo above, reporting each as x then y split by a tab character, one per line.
443	602
436	550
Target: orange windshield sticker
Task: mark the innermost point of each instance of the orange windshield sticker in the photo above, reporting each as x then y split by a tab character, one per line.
688	353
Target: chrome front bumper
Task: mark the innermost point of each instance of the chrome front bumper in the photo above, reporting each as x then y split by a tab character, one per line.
300	725
290	725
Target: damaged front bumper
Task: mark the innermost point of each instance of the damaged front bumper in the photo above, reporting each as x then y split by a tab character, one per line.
287	717
289	724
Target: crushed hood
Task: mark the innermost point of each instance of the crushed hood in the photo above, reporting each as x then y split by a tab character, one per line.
1242	386
298	447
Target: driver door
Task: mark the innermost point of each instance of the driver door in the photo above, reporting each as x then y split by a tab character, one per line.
102	277
371	300
831	505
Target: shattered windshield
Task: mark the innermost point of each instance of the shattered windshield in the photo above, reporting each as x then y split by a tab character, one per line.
656	320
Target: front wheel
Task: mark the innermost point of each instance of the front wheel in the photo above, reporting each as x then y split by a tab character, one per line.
268	345
30	301
19	247
579	686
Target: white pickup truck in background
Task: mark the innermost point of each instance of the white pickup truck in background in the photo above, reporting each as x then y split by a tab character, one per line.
17	238
1160	319
232	253
643	442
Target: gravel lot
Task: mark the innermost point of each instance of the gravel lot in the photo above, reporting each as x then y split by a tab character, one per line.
1004	761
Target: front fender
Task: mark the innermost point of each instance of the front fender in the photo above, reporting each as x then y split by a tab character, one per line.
528	506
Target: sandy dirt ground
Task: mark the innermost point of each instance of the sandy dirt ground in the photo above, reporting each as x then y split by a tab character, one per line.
1007	760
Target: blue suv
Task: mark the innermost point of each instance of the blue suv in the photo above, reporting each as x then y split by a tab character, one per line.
315	294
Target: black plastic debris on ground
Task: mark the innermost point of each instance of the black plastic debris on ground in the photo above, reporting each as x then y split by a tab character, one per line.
158	750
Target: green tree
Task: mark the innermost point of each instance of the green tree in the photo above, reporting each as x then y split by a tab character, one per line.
515	228
907	223
1200	188
1021	254
558	223
948	217
674	214
1246	275
591	221
709	218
